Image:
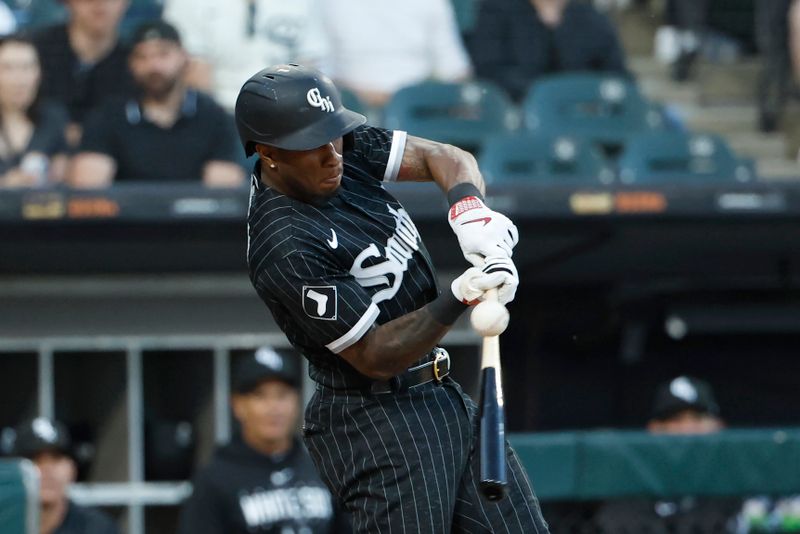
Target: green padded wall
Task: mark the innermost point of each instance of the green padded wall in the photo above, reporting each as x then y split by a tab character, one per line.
607	464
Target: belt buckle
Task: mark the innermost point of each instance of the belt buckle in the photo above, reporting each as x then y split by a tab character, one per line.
441	356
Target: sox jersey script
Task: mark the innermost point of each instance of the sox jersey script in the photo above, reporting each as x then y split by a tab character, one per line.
329	271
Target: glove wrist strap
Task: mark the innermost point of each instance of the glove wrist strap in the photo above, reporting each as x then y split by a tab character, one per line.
459	191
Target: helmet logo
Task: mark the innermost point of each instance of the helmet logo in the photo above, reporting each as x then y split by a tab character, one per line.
318	101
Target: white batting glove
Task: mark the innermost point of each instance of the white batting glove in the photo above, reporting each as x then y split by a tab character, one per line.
481	232
497	272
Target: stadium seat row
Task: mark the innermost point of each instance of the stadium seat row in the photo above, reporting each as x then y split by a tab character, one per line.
578	127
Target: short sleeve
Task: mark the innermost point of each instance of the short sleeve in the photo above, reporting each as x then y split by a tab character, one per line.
377	151
98	132
325	302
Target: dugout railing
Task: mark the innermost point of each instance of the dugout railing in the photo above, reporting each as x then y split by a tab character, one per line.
122	485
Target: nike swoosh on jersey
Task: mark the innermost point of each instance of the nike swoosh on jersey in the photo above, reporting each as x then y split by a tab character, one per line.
333	243
485	220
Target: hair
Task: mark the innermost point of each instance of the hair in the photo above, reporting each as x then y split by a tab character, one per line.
18	38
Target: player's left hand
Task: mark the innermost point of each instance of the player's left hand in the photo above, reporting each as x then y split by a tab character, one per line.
482	232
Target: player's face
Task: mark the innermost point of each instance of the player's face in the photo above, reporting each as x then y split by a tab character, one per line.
97	17
687	422
311	173
56	471
157	65
19	75
269	413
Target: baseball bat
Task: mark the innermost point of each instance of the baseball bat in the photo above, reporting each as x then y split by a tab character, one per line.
493	474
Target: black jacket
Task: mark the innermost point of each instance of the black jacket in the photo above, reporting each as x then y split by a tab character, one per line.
80	520
513	47
244	491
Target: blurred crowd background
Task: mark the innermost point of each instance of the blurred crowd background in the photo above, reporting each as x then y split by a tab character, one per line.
122	356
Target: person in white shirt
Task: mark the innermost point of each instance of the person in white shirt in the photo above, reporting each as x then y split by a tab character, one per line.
380	46
232	40
8	23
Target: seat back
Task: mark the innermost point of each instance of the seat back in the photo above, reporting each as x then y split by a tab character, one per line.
679	157
533	158
463	114
604	108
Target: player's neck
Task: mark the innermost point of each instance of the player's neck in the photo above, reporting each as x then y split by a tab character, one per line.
52	515
284	187
91	47
267	447
164	109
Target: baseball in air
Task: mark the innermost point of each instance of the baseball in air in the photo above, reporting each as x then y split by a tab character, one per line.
489	318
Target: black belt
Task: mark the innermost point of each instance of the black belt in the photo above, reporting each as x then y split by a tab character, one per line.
436	369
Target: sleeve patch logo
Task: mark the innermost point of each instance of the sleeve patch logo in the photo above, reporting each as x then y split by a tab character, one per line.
320	302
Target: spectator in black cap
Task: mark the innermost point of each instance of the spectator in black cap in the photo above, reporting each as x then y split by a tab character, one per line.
47	444
264	480
684	405
168	134
83	60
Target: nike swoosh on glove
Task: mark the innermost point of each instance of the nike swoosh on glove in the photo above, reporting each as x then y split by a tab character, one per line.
481	232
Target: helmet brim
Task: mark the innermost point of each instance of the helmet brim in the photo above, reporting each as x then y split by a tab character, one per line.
321	132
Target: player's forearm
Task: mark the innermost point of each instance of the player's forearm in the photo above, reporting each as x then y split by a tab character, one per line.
446	165
389	349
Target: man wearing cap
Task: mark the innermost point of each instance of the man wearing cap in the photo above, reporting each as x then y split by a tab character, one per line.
683	405
168	134
83	60
264	480
47	444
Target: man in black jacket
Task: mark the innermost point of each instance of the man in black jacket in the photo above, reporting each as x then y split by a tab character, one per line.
264	480
518	41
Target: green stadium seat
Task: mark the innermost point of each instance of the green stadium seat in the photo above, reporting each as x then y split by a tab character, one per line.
533	158
679	157
605	108
463	114
19	497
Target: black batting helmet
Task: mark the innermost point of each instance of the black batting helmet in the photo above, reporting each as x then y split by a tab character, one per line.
291	107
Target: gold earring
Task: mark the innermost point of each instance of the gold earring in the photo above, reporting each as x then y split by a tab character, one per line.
271	165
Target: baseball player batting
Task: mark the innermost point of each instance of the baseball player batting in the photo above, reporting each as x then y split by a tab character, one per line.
343	269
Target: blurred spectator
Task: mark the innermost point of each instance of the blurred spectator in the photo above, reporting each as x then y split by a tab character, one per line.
517	41
32	144
264	480
170	133
230	41
777	29
8	23
684	405
47	444
83	61
379	47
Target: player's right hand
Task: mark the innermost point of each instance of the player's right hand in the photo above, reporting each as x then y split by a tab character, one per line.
481	232
497	272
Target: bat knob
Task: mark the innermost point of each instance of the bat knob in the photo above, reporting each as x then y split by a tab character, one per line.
493	490
489	318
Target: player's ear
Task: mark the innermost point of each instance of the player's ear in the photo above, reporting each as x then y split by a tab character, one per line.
266	154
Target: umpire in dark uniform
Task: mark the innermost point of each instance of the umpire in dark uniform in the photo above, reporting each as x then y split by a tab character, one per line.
342	267
47	444
263	481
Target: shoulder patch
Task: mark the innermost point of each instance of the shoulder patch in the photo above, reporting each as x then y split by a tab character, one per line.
320	302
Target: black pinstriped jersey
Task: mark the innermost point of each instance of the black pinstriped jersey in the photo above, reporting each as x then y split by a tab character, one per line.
329	271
